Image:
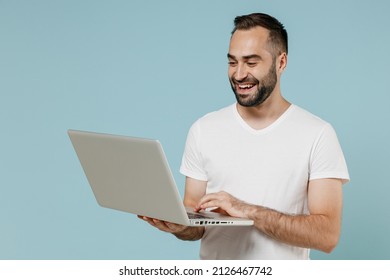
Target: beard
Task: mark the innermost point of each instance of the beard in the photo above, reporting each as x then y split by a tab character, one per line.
265	88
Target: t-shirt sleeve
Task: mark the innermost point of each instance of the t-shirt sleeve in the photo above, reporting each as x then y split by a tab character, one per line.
327	158
192	163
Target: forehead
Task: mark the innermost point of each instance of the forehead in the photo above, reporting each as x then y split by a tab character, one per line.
248	42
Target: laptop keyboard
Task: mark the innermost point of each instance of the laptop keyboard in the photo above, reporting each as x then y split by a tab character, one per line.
197	216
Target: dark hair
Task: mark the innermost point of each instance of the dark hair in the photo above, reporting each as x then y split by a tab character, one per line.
277	33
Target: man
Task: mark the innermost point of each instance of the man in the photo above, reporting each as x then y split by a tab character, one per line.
263	159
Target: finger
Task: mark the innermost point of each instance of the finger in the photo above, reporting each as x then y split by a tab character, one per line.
208	198
197	208
160	225
149	221
144	218
220	211
167	226
141	217
175	227
212	204
153	222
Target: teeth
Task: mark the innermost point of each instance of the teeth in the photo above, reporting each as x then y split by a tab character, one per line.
245	86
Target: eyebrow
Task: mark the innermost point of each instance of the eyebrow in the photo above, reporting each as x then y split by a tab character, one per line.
245	57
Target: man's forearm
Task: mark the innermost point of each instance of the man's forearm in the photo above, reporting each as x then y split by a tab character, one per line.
307	231
190	233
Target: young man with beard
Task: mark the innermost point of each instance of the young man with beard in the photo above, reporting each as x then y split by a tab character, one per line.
262	158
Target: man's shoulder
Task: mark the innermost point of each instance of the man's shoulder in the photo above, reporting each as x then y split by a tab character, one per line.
220	115
306	118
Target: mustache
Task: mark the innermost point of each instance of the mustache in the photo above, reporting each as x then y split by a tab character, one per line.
246	80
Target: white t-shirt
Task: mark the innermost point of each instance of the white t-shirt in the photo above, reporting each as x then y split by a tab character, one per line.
269	167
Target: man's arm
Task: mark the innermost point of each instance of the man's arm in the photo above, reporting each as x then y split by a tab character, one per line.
194	191
319	230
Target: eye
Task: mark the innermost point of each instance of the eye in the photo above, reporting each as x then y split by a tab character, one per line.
251	64
232	63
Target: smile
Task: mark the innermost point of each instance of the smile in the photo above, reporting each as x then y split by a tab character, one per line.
246	86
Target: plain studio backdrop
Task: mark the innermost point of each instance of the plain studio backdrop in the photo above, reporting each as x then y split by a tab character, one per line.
150	69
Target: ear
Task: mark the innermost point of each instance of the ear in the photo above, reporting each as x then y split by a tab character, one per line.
281	63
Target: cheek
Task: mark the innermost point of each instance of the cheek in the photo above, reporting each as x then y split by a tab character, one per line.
258	74
230	72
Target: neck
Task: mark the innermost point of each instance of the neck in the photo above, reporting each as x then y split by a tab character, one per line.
261	116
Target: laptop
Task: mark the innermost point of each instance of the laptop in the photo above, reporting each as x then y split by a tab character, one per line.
132	174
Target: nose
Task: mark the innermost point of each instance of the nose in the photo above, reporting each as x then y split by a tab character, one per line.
241	72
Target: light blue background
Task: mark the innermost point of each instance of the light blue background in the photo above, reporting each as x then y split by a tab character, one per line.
151	68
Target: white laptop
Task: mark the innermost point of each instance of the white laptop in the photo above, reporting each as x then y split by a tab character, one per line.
132	175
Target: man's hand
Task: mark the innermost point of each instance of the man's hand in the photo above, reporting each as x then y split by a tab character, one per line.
180	231
225	203
163	225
